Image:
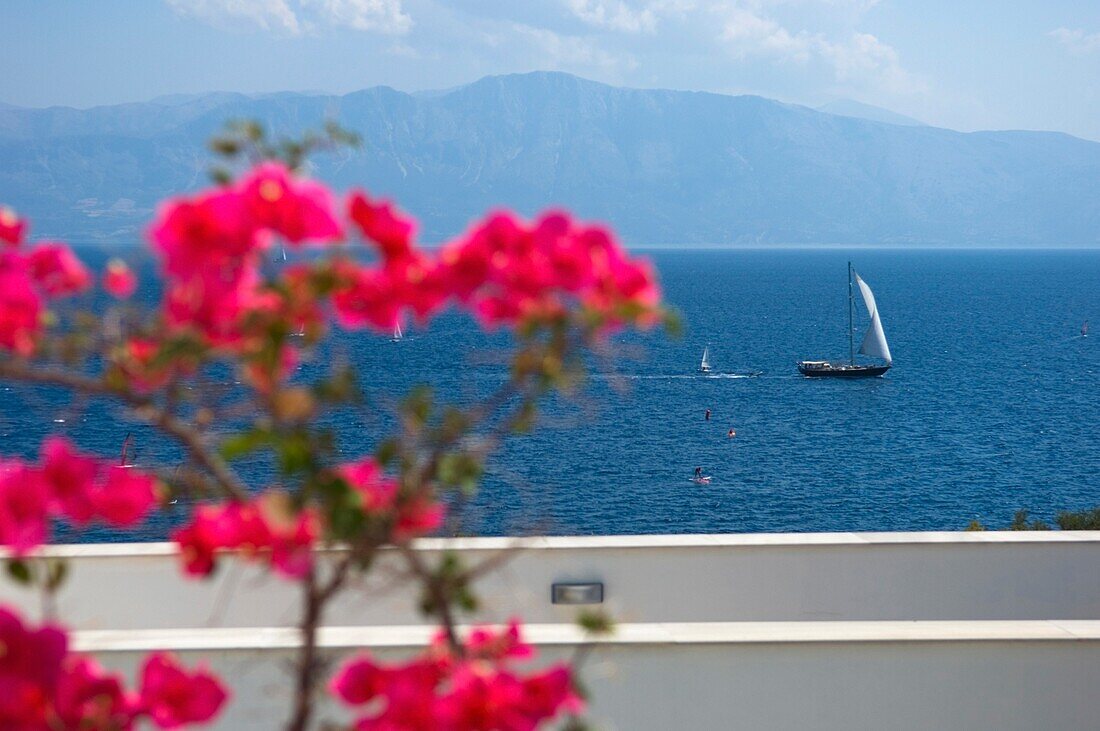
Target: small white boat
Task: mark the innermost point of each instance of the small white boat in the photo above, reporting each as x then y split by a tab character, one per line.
397	334
704	365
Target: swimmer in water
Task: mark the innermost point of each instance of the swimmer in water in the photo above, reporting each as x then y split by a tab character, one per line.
731	434
706	416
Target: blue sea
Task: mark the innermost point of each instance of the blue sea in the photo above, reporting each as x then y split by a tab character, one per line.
992	404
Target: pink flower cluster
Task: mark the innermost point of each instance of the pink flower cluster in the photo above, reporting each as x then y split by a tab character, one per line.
212	245
479	691
67	484
265	527
45	687
27	279
411	516
504	269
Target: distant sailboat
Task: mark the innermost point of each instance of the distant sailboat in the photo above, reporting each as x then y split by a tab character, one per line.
704	365
125	459
874	342
397	334
1085	329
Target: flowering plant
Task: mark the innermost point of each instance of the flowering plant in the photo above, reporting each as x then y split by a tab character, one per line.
557	284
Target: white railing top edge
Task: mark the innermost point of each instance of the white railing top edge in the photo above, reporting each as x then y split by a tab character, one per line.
657	633
83	550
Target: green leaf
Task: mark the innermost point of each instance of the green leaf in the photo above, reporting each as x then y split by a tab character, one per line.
239	445
595	622
20	572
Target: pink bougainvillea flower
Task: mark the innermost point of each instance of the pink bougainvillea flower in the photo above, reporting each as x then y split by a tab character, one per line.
365	477
210	232
484	642
12	228
69	476
364	296
417	517
379	222
57	270
290	534
298	210
359	681
478	691
213	302
125	496
137	359
24	506
174	697
88	697
265	527
200	539
20	306
551	692
30	667
119	280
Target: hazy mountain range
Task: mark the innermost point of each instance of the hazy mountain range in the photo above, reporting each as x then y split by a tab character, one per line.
665	167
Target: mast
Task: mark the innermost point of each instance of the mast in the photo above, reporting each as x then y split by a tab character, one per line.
851	341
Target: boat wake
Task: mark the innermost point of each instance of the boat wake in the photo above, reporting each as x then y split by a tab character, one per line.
673	376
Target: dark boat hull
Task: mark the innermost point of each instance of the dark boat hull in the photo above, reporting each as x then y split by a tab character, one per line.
847	371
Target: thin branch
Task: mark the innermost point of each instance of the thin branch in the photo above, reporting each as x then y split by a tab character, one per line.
145	407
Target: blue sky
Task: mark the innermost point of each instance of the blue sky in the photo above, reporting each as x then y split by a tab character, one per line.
956	63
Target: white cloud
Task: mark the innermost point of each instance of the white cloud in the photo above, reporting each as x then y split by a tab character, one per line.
266	14
863	58
748	33
295	17
383	16
560	52
859	59
621	16
1077	40
614	15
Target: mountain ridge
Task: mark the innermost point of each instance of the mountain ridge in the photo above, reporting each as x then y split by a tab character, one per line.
662	166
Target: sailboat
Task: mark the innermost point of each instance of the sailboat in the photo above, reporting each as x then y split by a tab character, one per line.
874	342
704	365
397	334
1085	329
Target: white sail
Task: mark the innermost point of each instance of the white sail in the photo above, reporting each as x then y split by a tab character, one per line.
874	342
397	334
705	364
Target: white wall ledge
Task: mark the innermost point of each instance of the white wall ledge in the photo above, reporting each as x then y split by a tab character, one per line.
726	540
653	633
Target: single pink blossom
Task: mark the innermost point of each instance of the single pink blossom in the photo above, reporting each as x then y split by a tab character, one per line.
365	296
88	697
174	697
119	280
377	492
20	306
125	496
24	505
298	210
379	222
69	476
417	517
57	270
30	666
12	228
484	642
210	232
